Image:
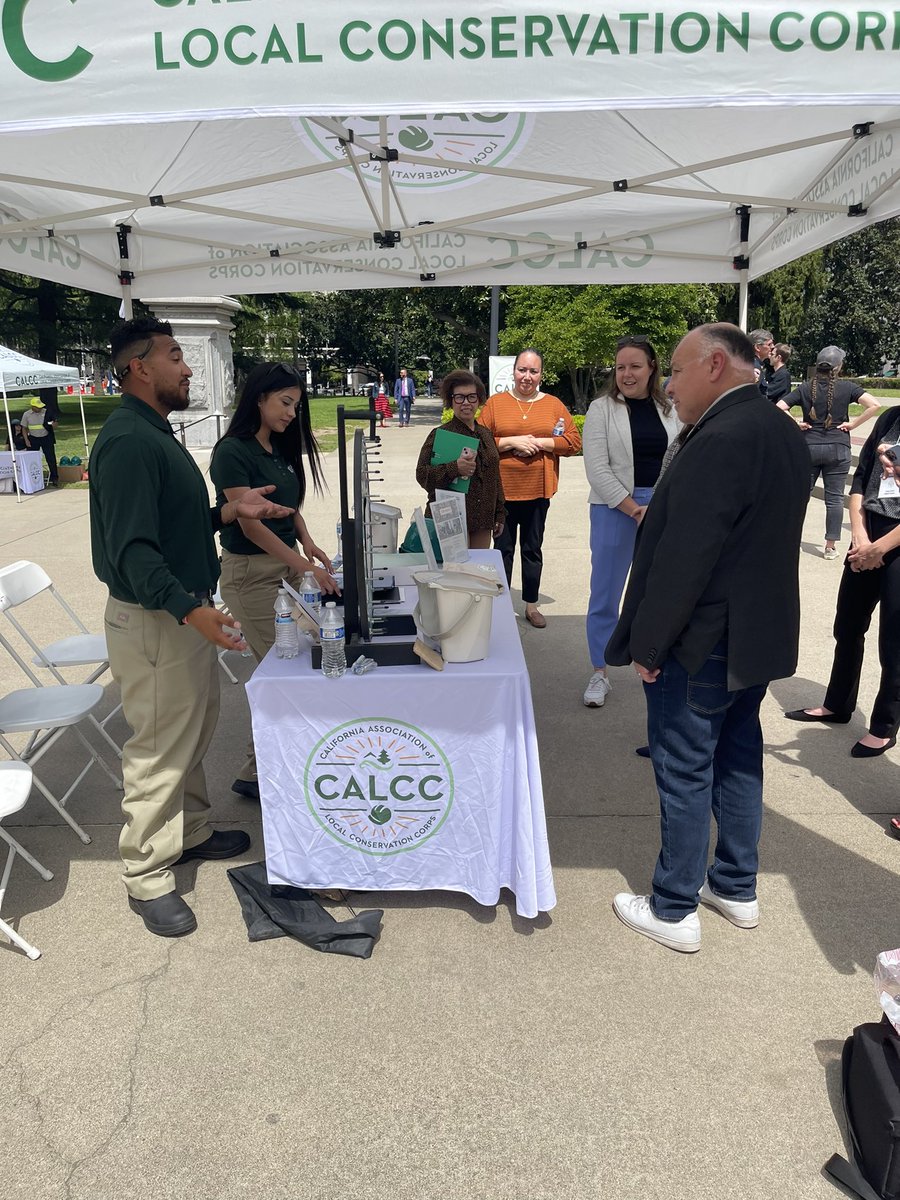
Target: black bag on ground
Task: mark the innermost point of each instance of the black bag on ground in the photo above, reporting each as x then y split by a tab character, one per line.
871	1093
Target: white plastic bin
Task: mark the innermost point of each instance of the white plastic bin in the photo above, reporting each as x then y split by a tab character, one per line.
455	611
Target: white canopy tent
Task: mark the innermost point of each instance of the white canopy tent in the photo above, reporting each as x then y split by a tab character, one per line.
19	373
206	148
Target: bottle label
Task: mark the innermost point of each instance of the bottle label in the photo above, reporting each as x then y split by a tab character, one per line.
284	619
332	634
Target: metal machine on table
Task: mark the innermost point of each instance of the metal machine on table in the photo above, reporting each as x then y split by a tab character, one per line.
366	631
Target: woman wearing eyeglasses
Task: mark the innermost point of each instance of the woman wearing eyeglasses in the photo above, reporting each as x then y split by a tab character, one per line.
463	392
627	431
264	444
533	430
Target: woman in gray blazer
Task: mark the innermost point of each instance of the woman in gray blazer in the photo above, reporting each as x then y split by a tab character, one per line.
627	431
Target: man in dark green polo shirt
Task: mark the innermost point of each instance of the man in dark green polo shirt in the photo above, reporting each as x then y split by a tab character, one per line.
153	546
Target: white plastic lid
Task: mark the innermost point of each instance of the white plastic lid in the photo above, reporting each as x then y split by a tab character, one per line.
329	604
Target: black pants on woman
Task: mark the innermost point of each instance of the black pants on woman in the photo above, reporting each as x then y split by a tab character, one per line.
525	520
859	593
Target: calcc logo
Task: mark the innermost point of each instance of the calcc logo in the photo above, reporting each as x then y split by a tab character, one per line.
13	26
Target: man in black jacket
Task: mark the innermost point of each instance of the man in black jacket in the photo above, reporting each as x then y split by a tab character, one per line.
717	554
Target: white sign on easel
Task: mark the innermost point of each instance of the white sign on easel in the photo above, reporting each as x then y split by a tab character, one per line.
500	373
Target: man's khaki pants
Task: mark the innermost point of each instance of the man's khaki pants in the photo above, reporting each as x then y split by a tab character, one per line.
249	586
170	695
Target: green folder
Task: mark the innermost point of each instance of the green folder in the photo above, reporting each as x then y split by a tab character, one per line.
447	448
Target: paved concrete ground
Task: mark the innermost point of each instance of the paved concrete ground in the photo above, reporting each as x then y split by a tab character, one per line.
476	1056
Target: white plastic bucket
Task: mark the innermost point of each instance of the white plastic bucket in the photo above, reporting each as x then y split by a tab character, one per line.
455	611
385	521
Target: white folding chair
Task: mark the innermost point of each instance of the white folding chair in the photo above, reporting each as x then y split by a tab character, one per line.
46	713
15	788
223	607
22	581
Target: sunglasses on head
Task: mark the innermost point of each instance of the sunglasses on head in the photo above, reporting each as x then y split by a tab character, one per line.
143	354
639	339
284	369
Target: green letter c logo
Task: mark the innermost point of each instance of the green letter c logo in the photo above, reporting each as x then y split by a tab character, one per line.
30	64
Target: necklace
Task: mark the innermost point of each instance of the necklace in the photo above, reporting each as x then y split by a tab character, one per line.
528	403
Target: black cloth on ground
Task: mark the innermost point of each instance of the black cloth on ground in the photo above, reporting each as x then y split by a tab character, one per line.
272	911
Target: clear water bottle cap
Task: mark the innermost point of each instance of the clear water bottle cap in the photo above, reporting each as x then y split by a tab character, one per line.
329	604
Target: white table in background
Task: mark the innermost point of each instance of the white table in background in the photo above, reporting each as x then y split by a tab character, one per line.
29	469
405	779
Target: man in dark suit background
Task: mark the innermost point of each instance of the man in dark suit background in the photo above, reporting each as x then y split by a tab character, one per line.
712	615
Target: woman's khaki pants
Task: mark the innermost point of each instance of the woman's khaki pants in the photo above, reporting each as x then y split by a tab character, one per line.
249	586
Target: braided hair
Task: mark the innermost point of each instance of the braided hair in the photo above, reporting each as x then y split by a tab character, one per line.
824	379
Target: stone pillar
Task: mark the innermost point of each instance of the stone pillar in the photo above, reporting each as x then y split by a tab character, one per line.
202	326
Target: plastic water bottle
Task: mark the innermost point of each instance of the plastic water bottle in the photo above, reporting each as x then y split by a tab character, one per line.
331	635
559	428
312	595
338	561
287	640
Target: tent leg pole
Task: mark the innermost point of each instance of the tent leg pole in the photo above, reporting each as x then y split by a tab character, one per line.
495	319
743	301
12	445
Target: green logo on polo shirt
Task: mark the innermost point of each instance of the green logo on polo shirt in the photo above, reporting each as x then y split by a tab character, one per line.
379	786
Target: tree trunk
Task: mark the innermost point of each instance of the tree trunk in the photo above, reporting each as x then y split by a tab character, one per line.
48	340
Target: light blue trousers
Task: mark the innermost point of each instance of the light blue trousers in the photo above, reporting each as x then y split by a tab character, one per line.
612	548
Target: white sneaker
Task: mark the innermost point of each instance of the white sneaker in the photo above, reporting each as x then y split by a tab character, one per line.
743	913
831	552
597	690
636	913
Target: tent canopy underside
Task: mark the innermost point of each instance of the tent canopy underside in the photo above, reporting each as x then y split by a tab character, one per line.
715	152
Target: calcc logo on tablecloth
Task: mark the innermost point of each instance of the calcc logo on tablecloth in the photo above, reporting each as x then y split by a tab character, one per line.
379	786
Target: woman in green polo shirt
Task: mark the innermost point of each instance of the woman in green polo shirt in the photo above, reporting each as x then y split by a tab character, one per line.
264	444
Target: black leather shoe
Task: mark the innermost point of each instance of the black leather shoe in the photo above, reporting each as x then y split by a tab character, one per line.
248	788
861	751
224	843
642	751
800	714
166	916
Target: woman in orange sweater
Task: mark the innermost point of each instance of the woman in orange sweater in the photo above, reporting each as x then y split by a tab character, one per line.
533	430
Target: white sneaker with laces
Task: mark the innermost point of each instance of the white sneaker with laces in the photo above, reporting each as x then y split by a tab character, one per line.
830	552
636	913
597	690
743	913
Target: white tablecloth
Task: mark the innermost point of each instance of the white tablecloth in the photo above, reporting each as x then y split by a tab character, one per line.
406	778
29	469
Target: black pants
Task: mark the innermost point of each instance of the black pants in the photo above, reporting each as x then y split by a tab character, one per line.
858	595
48	446
525	520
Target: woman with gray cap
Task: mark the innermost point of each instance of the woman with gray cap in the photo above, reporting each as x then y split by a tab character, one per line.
825	419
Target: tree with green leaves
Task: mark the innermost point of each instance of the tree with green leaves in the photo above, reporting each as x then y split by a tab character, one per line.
576	328
55	323
858	304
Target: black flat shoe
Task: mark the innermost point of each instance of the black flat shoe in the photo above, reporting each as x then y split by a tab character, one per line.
861	751
800	714
166	916
642	751
224	843
248	788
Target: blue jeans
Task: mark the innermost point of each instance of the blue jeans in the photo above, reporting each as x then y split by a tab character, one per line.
832	460
612	549
706	749
404	405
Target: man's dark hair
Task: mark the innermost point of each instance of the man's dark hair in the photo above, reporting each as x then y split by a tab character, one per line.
133	339
732	339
